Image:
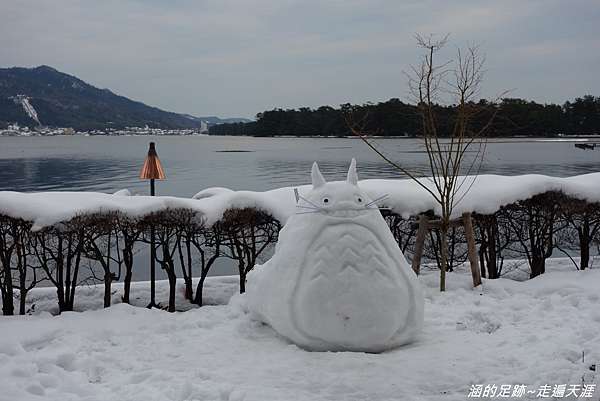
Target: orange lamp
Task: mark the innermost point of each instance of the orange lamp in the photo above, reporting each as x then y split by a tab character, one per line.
152	169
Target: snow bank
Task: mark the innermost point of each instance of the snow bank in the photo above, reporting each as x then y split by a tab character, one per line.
48	208
217	290
486	195
483	194
503	333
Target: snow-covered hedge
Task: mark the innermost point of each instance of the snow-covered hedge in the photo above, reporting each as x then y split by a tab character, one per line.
51	235
485	194
100	246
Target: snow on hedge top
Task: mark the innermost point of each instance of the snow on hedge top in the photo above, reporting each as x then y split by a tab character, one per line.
486	194
48	208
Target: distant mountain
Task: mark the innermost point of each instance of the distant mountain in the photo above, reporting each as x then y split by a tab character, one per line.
45	96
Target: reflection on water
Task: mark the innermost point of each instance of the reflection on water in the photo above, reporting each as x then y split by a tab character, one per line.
108	164
63	174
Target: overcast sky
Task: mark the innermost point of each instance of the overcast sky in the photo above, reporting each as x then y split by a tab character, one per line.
237	58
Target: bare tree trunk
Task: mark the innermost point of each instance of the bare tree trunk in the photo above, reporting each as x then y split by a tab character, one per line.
71	299
60	288
22	301
107	288
186	267
585	257
8	308
419	244
75	270
242	271
482	260
128	261
172	289
493	256
6	286
199	290
206	266
538	266
62	304
584	245
168	265
22	268
443	255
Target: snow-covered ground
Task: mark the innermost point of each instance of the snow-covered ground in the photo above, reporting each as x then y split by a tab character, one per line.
506	332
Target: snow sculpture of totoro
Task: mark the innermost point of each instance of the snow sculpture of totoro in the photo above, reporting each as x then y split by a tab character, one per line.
337	280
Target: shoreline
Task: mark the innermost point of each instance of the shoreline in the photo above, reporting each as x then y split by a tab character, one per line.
511	139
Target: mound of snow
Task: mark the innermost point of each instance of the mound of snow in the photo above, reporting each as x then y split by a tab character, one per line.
543	326
486	194
123	192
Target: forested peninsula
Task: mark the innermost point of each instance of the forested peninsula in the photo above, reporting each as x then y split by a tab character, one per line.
514	117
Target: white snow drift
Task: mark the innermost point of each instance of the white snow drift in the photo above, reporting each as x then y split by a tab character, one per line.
502	333
486	195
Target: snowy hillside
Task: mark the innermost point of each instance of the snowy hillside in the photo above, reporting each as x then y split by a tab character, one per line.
29	109
534	333
62	100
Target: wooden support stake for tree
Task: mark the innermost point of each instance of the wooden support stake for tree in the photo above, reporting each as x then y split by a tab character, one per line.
420	243
472	251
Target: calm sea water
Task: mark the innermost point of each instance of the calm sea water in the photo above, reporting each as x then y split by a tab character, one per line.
108	164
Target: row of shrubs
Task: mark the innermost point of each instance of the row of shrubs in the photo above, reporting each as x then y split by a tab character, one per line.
185	247
101	247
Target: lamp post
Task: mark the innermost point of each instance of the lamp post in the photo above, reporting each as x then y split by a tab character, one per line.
152	170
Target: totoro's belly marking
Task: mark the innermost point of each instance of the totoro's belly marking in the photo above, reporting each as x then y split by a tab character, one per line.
355	253
346	275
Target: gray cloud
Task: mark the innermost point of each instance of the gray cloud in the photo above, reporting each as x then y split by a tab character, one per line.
236	58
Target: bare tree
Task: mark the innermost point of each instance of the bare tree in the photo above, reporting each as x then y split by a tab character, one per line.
200	246
533	223
129	234
582	227
457	247
493	236
27	271
14	264
402	229
454	149
208	244
8	246
102	245
248	233
58	250
170	226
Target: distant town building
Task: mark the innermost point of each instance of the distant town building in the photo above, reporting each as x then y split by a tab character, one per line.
203	127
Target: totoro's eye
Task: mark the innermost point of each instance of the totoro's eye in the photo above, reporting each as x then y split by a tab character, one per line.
325	200
359	199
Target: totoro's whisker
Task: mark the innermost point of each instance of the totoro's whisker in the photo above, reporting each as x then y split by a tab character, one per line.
382	197
307	207
313	211
309	201
375	207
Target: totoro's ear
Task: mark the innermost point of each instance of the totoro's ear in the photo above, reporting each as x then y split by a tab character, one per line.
352	175
317	177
